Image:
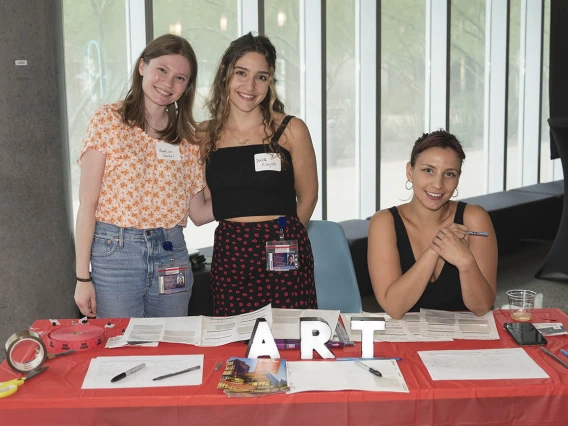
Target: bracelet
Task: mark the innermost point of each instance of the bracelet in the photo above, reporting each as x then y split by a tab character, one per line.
83	280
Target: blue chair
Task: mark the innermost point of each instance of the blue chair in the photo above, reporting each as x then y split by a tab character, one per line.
336	283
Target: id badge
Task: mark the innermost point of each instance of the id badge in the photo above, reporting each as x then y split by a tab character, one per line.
172	280
282	255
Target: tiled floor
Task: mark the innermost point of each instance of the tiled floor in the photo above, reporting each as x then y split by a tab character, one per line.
517	271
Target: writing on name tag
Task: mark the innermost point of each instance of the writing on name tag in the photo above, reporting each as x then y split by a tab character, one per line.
267	161
166	151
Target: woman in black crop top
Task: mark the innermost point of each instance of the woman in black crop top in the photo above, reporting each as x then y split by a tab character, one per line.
261	172
420	253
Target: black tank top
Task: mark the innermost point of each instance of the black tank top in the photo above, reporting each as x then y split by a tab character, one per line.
444	293
238	190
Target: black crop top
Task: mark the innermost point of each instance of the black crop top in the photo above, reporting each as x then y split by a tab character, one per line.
238	190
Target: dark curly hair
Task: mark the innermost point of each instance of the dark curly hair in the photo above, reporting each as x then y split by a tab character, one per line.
218	101
436	139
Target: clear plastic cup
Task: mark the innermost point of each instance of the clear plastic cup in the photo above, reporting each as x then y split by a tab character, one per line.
521	303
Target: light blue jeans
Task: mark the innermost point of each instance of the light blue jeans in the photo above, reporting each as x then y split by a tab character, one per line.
124	265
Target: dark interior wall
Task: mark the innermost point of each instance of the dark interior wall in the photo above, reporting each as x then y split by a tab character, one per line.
558	67
36	240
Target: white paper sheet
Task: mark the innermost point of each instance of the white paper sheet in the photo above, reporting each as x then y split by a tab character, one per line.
481	364
119	341
103	369
304	376
457	325
406	329
286	322
197	330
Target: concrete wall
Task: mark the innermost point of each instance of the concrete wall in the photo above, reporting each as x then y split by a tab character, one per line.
36	239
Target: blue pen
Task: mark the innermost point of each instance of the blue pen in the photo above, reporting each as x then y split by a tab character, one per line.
563	352
368	359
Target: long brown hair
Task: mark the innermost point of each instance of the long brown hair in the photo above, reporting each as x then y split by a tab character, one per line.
181	124
218	101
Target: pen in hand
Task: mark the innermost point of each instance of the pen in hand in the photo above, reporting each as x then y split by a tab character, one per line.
479	234
127	373
187	370
369	369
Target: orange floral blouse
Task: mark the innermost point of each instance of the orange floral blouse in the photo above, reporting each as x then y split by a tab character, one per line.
138	189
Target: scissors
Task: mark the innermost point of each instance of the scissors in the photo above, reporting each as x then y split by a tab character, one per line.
11	386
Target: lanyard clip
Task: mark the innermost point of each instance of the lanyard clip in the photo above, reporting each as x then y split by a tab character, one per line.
168	246
282	223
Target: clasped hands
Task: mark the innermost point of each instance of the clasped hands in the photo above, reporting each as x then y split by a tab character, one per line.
452	243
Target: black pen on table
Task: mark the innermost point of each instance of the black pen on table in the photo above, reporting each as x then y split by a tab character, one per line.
546	351
127	373
369	369
187	370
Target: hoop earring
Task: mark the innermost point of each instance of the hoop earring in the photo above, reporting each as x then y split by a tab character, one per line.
456	193
406	185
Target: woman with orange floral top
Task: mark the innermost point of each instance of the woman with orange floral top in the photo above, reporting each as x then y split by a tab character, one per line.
140	180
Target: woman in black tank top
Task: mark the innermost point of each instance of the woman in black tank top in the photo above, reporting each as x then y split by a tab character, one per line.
261	172
423	254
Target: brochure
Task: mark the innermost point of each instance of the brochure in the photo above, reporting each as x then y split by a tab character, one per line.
253	377
550	329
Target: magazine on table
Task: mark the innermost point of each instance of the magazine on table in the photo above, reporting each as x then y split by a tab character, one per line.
246	377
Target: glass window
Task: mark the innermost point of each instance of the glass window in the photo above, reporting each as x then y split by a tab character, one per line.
96	70
467	86
209	27
282	26
403	38
548	167
96	67
514	155
341	68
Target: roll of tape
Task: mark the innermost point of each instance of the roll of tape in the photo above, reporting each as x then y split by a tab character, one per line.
25	351
75	337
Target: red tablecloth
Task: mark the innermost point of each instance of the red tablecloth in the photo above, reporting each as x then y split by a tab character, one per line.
55	397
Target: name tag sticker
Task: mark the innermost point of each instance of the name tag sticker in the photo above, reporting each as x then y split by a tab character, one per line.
267	161
166	151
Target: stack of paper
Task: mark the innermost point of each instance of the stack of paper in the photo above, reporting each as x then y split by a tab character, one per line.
286	322
306	376
103	369
199	331
481	364
457	325
429	325
406	329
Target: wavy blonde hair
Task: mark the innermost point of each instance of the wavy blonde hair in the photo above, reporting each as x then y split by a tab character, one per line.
181	124
218	102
